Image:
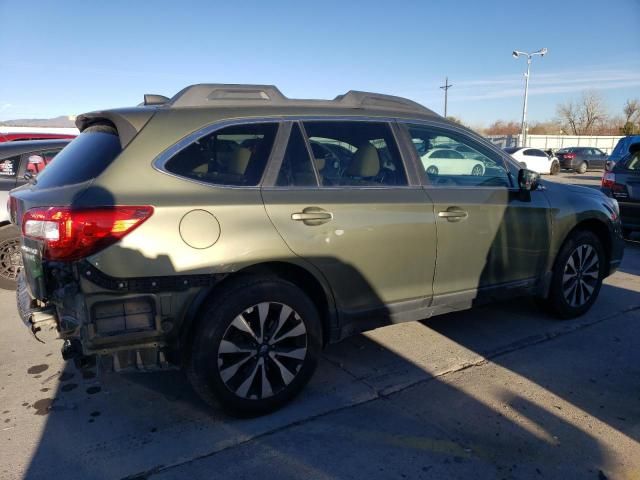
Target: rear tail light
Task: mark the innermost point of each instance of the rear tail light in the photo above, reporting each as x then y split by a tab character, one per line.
69	234
569	155
608	180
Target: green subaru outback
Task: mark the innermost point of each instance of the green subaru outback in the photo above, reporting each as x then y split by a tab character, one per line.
232	231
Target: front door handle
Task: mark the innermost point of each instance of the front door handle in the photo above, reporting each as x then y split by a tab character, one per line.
453	214
312	216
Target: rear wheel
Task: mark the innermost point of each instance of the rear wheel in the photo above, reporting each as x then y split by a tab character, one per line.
555	168
582	168
10	257
256	346
577	275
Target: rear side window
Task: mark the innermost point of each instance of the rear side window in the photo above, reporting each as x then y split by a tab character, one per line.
37	161
83	159
355	154
235	155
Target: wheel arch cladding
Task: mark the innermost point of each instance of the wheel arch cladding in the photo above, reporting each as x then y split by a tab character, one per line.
600	230
299	276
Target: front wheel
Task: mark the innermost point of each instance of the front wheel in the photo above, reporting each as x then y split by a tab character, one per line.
555	168
10	257
577	275
477	170
256	346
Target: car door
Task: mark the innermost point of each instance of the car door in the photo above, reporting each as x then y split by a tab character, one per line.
599	158
357	214
489	233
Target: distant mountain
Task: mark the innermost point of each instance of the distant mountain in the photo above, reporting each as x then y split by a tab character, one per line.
62	122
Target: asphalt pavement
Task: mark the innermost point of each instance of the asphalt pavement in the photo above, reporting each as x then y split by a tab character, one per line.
502	391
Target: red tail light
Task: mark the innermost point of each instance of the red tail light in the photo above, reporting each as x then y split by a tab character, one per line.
608	180
70	234
569	155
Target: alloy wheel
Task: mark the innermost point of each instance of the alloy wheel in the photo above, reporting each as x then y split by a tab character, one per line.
581	274
10	259
477	171
262	350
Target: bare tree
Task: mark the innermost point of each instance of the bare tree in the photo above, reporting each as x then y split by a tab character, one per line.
581	117
631	110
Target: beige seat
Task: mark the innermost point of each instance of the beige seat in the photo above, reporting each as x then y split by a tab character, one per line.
365	164
239	161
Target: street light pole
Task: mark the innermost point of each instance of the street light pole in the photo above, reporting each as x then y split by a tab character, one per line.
542	52
446	88
524	108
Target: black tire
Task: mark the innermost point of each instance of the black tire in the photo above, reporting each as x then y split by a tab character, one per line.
557	302
477	170
10	256
555	168
207	362
432	170
582	168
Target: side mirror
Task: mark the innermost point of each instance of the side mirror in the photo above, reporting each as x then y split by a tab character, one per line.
608	166
528	180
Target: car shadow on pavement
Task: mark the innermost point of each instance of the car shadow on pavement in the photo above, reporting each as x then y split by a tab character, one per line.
373	404
117	425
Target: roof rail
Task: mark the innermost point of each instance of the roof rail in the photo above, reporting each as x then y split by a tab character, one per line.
222	95
358	99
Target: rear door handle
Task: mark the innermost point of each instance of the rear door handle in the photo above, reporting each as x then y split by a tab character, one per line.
312	216
453	214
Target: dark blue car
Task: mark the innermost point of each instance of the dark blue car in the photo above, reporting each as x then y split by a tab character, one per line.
622	147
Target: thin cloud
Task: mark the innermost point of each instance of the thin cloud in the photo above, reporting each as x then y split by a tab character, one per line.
546	83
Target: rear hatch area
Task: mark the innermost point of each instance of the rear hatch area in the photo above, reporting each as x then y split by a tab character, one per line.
65	184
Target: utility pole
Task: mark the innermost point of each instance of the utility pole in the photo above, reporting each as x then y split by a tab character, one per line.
446	88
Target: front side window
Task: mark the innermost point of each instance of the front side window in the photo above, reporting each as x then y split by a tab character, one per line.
236	155
9	166
446	163
355	154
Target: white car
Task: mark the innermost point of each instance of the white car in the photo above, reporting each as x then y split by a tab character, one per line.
535	159
446	161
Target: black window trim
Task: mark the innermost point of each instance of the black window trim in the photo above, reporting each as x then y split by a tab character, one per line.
508	162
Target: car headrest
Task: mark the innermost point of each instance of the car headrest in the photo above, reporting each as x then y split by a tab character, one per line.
239	161
365	162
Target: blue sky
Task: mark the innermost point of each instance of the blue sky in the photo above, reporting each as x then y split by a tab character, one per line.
68	57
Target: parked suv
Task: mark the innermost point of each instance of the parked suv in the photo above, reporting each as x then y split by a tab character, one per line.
234	232
17	160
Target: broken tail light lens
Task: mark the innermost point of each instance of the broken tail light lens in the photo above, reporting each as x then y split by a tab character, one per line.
68	234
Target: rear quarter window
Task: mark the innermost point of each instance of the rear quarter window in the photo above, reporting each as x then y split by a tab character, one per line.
83	159
234	156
